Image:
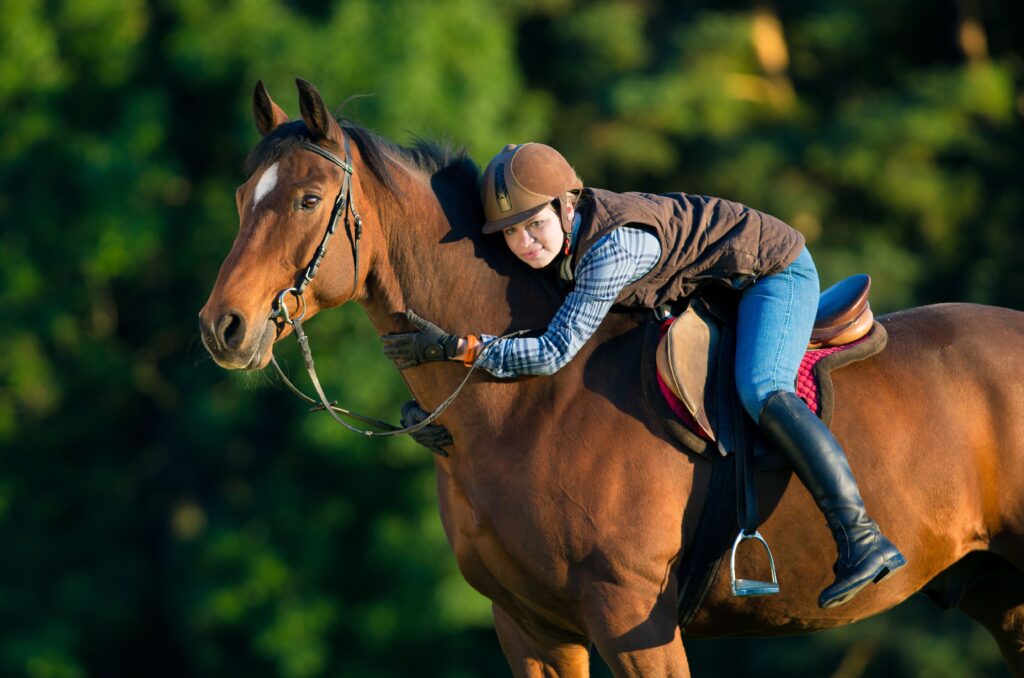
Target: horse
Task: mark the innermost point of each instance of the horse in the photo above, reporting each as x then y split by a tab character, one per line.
565	502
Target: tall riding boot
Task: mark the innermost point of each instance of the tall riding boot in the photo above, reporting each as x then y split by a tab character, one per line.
865	555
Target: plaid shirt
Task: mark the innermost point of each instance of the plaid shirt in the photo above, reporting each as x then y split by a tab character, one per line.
622	257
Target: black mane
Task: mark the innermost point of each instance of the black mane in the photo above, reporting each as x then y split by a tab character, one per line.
378	154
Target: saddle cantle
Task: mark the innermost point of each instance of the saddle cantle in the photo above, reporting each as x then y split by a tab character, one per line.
844	314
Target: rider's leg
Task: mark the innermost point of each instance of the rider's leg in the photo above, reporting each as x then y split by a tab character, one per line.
776	316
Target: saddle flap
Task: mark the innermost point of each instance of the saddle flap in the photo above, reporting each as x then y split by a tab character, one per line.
686	357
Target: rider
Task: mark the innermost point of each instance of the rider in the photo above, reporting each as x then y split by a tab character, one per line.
644	250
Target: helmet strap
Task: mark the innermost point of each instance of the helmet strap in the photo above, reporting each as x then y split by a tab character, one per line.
563	213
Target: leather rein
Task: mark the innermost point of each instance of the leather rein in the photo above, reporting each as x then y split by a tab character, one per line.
344	205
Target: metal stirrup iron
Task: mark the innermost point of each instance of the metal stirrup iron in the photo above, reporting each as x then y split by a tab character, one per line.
752	587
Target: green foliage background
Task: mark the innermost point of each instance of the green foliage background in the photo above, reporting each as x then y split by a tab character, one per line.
161	517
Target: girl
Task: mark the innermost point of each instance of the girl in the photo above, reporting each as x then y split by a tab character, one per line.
644	250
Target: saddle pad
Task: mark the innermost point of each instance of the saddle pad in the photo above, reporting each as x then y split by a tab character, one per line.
813	384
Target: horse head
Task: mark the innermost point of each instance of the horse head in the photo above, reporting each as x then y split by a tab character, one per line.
407	236
298	181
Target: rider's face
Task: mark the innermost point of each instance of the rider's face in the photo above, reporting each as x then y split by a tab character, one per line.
539	239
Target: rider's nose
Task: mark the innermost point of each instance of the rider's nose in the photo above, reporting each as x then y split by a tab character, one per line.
230	329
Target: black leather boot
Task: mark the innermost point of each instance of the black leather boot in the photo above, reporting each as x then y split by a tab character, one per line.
865	555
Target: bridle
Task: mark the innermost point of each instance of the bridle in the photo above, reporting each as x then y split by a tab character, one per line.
343	205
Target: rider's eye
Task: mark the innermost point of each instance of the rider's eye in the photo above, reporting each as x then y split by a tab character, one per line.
310	201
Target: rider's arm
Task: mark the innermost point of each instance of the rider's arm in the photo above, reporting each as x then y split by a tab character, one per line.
620	258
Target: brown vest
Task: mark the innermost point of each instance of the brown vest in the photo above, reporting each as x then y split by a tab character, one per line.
703	241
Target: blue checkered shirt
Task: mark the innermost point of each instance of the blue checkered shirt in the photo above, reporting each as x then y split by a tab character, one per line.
622	257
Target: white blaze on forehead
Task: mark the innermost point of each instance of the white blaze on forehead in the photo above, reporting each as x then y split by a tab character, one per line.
265	184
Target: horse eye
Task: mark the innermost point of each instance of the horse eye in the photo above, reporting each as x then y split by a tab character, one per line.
310	201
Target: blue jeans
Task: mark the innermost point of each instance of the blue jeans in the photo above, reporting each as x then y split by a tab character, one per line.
776	316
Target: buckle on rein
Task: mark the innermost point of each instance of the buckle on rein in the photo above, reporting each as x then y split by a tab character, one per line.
744	588
280	309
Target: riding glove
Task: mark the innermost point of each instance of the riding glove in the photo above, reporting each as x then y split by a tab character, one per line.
434	437
431	343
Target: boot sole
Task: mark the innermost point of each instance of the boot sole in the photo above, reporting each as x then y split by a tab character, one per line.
887	568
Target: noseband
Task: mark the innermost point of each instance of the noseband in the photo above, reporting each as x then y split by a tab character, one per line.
343	204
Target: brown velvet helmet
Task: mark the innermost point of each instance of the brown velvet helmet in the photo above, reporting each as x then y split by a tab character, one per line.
521	181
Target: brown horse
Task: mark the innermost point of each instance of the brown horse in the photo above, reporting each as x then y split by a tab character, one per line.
565	502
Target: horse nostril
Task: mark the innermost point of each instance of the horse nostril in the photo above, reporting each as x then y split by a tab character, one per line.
231	330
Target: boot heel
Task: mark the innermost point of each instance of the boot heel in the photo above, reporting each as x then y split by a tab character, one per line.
890	566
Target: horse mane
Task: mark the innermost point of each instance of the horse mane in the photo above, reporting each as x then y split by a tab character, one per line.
379	154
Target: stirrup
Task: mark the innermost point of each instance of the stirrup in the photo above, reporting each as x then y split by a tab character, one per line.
744	588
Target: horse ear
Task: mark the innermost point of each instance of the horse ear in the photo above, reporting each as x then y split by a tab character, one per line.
268	114
315	114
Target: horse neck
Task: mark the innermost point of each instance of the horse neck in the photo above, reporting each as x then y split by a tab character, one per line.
425	262
429	257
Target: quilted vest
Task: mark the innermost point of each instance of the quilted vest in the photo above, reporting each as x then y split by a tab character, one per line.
704	241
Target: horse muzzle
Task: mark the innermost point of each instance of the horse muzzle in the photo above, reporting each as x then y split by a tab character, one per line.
233	342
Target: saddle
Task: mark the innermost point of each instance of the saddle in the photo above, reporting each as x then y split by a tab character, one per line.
687	374
693	349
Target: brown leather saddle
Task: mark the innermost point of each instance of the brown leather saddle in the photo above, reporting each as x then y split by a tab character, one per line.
844	314
688	355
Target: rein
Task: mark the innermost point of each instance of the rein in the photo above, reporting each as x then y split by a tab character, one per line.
334	410
343	204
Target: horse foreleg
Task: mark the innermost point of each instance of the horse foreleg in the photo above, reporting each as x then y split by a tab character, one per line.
533	650
634	638
994	597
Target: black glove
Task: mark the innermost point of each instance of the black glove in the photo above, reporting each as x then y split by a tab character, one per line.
412	348
433	436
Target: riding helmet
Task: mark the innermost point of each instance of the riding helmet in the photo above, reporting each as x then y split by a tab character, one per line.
521	181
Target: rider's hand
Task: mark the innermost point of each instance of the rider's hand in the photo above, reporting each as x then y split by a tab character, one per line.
431	343
434	437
